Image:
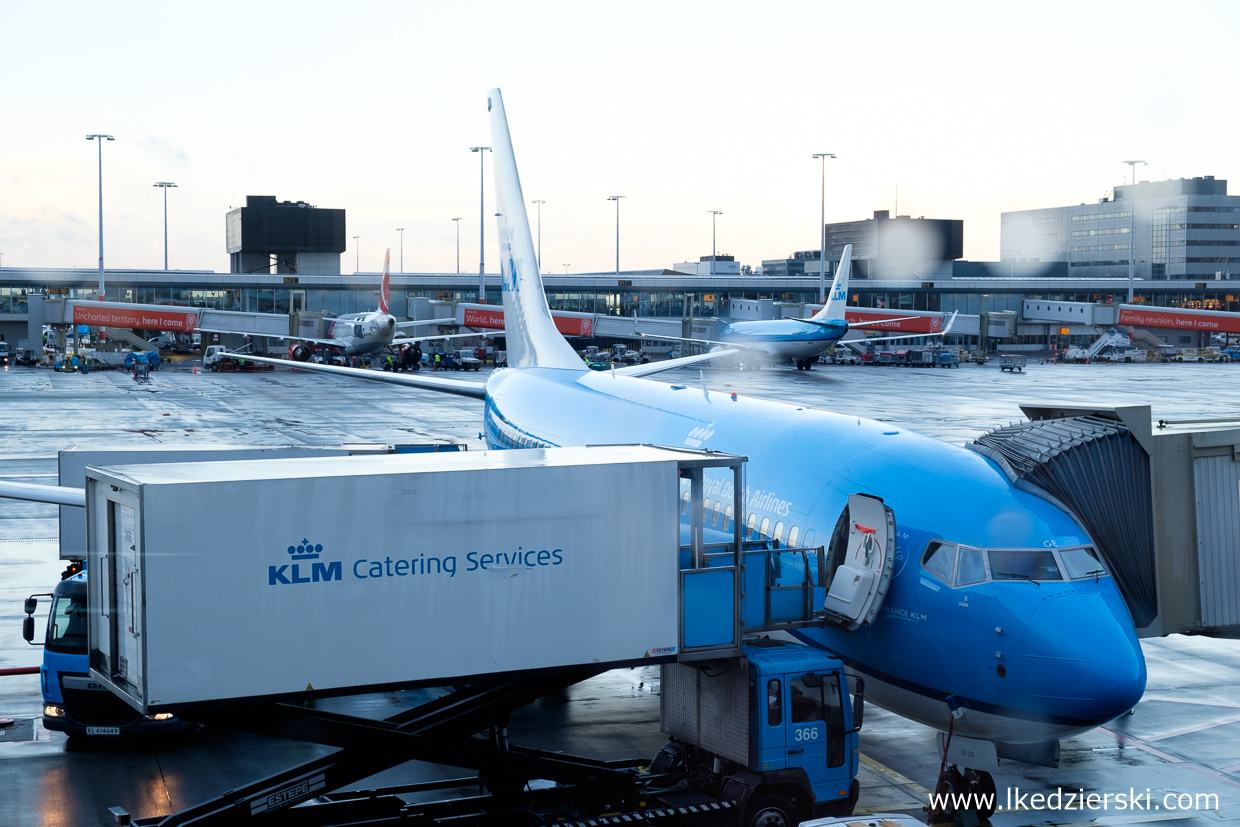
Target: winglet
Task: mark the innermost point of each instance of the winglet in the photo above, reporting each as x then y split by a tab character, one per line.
838	298
385	288
531	335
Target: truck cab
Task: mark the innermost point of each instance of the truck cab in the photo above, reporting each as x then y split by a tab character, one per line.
798	756
72	702
802	727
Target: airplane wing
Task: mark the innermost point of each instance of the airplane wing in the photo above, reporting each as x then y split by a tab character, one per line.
475	390
32	492
733	347
946	329
329	342
671	364
444	322
408	340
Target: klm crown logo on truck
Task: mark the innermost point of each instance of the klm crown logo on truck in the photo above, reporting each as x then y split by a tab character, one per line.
291	573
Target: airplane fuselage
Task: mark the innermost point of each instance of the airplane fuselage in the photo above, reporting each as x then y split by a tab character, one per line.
785	338
363	333
1026	661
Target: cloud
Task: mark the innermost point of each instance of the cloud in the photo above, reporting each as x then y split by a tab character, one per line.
163	148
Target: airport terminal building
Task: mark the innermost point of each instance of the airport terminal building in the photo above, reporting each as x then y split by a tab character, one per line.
285	258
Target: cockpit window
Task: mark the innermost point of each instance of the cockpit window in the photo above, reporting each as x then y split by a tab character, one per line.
972	567
1081	562
940	560
958	565
1031	564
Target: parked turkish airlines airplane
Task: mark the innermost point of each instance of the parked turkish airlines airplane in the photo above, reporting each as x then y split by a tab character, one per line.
962	600
360	334
802	340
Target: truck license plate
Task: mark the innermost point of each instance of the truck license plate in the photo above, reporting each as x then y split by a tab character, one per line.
103	730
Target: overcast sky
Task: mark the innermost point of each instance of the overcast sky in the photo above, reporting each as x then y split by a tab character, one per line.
970	109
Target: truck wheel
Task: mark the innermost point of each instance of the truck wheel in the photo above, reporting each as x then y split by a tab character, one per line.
215	367
772	811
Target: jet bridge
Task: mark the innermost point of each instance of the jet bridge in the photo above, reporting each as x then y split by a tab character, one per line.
1159	501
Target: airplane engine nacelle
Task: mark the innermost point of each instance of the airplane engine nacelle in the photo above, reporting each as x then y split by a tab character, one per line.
410	355
299	352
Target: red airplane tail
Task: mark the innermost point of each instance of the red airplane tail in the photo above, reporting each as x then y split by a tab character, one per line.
385	289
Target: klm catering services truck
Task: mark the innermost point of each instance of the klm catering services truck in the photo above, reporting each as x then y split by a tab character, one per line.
482	572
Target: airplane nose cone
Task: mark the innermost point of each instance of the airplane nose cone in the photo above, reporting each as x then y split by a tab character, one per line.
1082	659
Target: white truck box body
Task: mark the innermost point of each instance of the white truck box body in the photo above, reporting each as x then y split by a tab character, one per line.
428	568
73	461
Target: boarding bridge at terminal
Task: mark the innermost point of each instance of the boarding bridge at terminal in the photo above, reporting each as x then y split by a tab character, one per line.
1159	501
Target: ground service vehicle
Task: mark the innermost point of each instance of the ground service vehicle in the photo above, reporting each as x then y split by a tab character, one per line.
466	360
72	702
4	352
759	727
1012	362
218	358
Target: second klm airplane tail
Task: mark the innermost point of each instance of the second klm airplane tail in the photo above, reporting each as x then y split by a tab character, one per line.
838	297
531	334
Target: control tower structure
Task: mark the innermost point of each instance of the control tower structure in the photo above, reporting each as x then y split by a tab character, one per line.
301	238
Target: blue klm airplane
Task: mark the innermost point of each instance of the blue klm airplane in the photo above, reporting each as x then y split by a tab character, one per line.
964	602
802	340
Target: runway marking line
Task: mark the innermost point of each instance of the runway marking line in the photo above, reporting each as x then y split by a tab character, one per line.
909	784
1142	819
1196	728
1214	775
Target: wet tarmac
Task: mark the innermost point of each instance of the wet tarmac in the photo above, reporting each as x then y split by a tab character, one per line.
1183	739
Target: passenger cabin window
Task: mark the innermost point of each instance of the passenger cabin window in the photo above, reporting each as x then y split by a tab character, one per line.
727	518
1031	564
766	523
779	531
940	560
715	517
792	536
972	568
774	704
753	518
1081	562
684	503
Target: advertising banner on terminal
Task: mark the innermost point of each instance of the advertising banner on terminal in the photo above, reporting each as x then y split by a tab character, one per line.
1180	319
494	320
141	318
877	321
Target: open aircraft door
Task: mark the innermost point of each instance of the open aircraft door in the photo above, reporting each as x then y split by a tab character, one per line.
862	555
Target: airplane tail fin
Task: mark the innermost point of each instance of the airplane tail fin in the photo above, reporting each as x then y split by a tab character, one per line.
385	287
529	329
838	297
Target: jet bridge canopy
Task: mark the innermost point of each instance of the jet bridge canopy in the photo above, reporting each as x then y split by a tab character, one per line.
1158	501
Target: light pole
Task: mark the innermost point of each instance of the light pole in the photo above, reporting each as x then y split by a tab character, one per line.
1132	225
539	202
164	186
482	232
713	247
101	139
401	230
457	221
617	198
822	223
357	250
566	269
